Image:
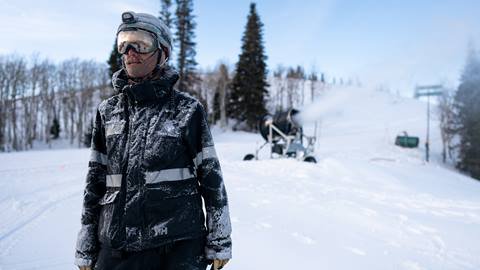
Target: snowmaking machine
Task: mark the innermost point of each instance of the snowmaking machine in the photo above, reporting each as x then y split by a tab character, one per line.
283	132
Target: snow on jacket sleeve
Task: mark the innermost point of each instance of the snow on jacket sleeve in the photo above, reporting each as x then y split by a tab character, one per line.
87	242
199	138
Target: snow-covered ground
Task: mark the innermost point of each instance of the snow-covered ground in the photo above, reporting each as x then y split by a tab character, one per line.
366	204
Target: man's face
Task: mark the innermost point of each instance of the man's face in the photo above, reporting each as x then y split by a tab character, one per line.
139	65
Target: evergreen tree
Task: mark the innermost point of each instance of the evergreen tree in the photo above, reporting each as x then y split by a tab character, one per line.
55	129
114	61
467	100
185	26
165	14
249	86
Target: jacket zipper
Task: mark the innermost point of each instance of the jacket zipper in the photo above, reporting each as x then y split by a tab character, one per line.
142	184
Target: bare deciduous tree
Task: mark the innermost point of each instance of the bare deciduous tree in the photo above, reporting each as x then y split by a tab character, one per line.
223	83
313	85
280	87
447	123
33	93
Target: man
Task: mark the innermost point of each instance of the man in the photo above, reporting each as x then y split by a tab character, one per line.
152	163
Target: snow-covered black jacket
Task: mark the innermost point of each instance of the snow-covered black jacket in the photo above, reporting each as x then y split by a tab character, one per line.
152	161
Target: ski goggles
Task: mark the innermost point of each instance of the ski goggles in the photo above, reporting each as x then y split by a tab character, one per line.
141	41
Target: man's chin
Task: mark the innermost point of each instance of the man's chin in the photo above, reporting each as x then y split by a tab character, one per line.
134	73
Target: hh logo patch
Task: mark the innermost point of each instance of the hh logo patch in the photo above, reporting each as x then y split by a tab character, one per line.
160	229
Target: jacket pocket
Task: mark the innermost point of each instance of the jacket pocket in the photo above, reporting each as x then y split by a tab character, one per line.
181	215
114	127
158	192
115	141
161	151
106	227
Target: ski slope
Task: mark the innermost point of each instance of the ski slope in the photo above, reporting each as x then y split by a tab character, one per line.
366	204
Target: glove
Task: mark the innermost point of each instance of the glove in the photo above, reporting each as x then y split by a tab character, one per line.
85	268
218	264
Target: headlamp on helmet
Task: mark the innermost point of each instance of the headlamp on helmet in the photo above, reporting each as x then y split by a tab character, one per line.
148	23
127	17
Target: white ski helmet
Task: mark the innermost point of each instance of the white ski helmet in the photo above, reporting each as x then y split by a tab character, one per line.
150	23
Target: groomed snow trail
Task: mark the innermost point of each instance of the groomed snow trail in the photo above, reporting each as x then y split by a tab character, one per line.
366	204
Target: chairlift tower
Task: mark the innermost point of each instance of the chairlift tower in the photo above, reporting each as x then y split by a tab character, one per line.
428	91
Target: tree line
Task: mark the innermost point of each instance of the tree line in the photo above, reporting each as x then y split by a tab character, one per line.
39	98
42	100
459	113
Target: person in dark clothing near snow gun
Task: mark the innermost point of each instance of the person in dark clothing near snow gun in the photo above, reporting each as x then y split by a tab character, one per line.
152	162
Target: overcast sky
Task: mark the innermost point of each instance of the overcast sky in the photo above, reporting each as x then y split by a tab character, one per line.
395	43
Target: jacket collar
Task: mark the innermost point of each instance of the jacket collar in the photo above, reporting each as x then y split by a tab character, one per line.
150	89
